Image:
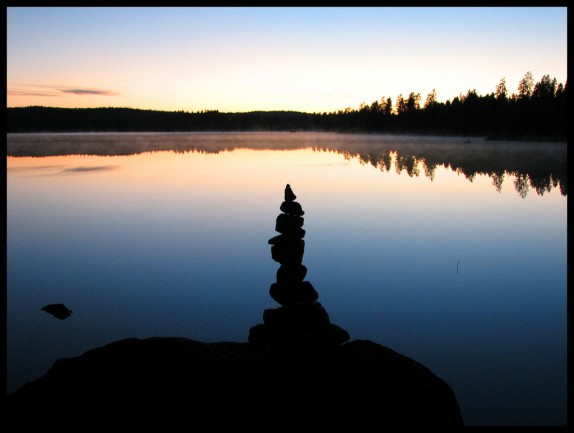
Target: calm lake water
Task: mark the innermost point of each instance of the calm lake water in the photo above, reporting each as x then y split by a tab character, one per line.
450	251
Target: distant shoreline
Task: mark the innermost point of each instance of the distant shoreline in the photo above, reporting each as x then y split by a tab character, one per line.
420	122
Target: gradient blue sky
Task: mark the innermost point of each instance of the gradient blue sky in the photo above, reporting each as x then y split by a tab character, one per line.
298	58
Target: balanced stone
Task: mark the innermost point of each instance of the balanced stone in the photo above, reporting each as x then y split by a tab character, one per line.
298	318
291	273
286	239
289	196
278	239
292	208
332	335
288	223
288	254
336	335
290	294
297	233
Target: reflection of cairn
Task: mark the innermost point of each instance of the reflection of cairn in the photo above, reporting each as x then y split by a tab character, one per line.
300	319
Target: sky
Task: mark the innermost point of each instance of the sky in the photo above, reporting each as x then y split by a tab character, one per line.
239	59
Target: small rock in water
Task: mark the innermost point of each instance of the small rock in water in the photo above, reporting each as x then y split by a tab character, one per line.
59	311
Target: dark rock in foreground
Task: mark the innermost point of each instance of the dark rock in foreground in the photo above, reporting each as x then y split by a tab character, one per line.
173	380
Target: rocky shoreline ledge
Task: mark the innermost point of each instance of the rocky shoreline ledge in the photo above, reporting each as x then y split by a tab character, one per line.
178	380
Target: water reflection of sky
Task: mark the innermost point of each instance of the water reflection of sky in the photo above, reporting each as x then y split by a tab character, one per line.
175	244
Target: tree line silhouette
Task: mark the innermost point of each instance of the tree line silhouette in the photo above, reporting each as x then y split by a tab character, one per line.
537	111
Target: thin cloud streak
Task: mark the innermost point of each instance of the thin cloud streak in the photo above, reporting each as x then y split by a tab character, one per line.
59	91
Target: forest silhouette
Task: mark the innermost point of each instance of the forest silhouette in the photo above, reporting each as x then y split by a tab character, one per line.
536	111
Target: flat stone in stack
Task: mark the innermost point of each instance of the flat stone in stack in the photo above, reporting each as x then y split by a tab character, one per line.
300	319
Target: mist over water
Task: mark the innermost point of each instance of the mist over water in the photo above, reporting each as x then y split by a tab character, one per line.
451	251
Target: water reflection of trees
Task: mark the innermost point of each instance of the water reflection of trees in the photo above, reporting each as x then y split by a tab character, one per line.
530	173
537	166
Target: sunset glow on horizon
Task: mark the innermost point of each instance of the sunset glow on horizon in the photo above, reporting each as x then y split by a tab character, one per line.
239	59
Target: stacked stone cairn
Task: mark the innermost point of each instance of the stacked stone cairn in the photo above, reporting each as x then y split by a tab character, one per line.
300	320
